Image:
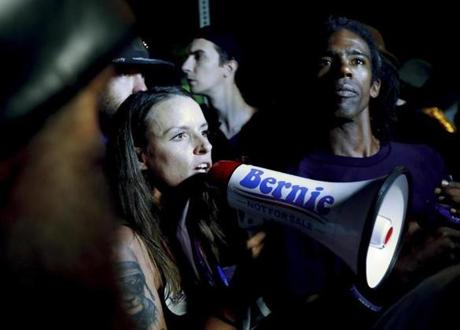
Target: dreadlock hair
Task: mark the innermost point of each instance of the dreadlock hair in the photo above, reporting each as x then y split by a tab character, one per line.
334	24
382	108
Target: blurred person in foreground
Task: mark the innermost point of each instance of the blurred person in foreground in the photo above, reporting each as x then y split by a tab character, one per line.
56	220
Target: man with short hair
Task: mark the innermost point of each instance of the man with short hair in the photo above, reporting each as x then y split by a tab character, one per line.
211	67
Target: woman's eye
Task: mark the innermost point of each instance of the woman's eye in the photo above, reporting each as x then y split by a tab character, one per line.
179	137
205	132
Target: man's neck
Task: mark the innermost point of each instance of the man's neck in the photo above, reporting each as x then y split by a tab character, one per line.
354	139
232	109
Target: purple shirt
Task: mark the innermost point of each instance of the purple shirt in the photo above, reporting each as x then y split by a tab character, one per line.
310	268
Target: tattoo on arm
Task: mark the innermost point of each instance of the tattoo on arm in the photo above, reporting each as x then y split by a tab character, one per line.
137	296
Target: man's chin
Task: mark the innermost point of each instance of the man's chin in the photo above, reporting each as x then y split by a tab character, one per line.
196	90
345	114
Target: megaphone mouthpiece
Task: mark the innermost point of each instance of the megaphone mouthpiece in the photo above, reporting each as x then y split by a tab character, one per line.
221	172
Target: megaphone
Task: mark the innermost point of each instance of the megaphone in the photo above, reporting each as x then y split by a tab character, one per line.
362	222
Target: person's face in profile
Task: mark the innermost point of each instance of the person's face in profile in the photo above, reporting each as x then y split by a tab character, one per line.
202	66
178	145
345	74
60	199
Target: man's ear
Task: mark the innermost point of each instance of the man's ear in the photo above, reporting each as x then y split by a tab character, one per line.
141	159
375	88
230	68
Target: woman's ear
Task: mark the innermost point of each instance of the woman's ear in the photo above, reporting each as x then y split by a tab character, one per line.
141	159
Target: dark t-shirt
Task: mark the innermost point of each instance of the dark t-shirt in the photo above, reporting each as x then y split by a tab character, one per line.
256	143
306	266
426	169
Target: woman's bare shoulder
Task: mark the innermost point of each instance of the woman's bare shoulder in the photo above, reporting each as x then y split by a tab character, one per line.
131	247
125	235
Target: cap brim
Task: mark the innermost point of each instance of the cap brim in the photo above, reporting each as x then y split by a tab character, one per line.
141	61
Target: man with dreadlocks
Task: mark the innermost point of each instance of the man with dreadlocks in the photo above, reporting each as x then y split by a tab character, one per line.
351	144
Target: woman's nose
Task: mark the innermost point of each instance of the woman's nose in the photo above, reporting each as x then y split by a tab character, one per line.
203	145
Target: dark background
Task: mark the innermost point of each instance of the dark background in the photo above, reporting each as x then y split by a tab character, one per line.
276	32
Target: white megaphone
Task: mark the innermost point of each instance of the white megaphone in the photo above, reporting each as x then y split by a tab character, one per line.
362	222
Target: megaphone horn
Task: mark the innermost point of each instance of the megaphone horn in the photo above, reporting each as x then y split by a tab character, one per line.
362	222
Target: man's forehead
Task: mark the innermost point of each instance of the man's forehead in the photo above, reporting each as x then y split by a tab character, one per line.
349	41
201	44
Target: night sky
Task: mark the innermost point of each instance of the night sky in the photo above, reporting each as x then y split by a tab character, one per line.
272	31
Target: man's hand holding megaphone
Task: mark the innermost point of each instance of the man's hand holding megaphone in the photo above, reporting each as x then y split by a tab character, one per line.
449	198
255	243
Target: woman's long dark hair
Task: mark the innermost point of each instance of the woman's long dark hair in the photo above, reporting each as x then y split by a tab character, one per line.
134	187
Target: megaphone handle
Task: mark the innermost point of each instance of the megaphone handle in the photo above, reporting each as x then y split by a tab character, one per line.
363	300
445	212
248	222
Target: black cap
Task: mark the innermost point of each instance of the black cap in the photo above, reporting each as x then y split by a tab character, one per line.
157	72
224	39
137	54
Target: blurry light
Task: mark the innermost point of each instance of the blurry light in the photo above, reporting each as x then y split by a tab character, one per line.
438	114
